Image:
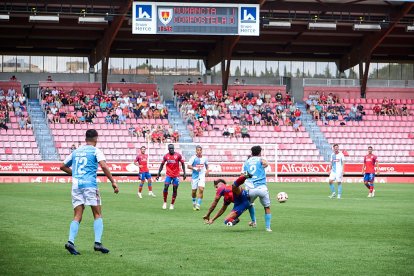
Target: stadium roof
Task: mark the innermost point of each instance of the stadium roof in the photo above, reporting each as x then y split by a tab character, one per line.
344	45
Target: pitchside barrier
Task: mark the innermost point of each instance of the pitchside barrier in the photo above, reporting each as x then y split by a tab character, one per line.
41	172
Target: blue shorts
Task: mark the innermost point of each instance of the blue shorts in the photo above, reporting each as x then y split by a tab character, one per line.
241	203
144	175
174	180
369	177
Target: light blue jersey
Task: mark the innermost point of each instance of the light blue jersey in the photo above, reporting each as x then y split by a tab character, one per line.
255	167
198	162
337	162
84	162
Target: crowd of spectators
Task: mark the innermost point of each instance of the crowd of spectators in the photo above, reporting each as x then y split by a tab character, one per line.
329	107
201	110
115	105
13	104
155	134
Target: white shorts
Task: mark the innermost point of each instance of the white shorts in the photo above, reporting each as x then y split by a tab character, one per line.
198	182
335	177
86	196
260	192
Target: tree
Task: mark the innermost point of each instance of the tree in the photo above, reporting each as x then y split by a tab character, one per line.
237	72
327	72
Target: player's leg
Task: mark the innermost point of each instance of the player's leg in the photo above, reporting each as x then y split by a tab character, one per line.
149	180
367	184
194	186
141	184
175	183
265	201
167	183
98	229
240	180
74	229
339	189
371	185
331	185
232	218
201	185
199	197
78	203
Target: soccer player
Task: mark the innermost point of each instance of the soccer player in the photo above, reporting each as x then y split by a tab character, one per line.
231	194
84	162
257	185
368	170
199	164
172	159
337	171
142	162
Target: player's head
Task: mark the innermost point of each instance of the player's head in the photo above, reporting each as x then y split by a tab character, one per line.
91	137
171	149
336	148
143	149
256	150
199	151
219	182
369	149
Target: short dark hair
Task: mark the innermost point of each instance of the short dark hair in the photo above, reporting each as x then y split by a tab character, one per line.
143	147
170	146
256	150
91	134
370	147
217	181
335	145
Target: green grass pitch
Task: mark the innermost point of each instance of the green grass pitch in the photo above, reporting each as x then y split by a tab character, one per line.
312	235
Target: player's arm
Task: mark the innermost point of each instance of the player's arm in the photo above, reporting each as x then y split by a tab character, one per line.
190	164
207	171
136	162
212	207
219	213
363	167
183	166
377	171
108	174
160	169
264	163
67	163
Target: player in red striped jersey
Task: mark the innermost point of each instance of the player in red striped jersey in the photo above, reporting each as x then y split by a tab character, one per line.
142	162
368	170
172	159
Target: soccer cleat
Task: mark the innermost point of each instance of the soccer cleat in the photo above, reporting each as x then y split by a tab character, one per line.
373	193
252	224
247	174
333	195
164	205
269	230
171	206
369	195
151	194
139	195
99	247
71	248
197	207
339	196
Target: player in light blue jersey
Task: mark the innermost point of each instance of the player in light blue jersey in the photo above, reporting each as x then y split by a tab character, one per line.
199	165
337	171
256	185
82	165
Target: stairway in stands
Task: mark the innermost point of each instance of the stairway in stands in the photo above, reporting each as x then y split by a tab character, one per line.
174	118
315	132
41	131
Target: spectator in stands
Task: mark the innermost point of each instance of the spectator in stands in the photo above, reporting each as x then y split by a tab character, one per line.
13	78
243	82
11	93
199	81
376	109
89	117
3	124
245	132
236	82
268	97
189	81
250	95
316	116
50	117
22	122
29	122
297	113
123	80
72	148
226	132
278	96
296	125
176	136
49	78
404	110
360	108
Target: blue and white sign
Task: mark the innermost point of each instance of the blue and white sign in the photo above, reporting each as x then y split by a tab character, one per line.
143	20
195	18
249	20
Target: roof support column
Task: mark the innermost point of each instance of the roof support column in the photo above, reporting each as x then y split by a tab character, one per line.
363	77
